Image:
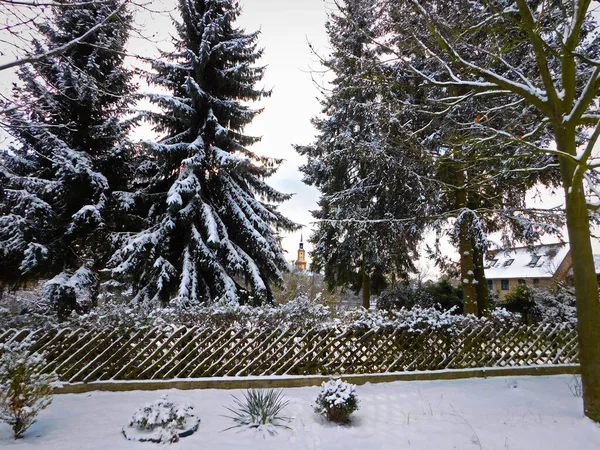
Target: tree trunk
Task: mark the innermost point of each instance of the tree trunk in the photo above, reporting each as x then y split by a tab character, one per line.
483	293
588	306
465	247
366	287
586	284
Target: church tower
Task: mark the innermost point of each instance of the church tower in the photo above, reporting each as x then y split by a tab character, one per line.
301	261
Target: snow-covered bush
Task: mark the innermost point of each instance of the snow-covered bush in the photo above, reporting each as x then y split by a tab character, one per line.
417	319
24	390
162	422
540	305
69	292
556	306
337	400
259	409
301	312
5	315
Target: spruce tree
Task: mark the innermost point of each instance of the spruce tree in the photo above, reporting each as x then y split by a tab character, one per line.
64	179
368	185
211	220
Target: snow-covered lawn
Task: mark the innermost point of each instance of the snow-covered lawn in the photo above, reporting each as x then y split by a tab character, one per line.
497	413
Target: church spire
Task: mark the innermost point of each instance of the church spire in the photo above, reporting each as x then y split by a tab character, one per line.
301	261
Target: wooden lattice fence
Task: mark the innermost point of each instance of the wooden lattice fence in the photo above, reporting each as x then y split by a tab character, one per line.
79	355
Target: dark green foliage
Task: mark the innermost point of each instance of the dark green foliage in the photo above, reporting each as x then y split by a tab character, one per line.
445	295
521	299
403	295
556	305
440	295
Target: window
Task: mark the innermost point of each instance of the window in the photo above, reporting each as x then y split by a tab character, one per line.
490	285
534	260
508	262
491	263
522	281
505	285
536	281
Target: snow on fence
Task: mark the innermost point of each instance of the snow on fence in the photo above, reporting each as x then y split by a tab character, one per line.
79	355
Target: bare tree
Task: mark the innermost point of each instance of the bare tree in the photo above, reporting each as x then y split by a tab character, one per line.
558	38
21	18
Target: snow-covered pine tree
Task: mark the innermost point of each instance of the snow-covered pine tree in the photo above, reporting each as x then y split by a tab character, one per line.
211	218
368	186
64	181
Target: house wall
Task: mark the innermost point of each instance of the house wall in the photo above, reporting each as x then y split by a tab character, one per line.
543	283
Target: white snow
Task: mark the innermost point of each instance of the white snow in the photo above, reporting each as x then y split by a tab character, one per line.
528	413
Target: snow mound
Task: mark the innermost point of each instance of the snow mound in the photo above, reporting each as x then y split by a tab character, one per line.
162	421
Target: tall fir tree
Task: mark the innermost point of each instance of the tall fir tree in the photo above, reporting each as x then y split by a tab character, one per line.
367	184
211	219
64	181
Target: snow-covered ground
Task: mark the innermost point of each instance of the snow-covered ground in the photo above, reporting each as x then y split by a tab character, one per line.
496	413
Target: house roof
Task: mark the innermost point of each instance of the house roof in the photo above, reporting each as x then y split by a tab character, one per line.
597	263
525	262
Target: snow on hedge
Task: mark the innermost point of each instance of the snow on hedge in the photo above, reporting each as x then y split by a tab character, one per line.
298	313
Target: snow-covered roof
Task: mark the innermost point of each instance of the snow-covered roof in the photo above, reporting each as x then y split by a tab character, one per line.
597	263
540	262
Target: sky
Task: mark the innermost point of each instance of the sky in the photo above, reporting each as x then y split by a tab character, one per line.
286	27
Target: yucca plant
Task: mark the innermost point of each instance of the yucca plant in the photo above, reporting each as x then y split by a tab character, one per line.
258	409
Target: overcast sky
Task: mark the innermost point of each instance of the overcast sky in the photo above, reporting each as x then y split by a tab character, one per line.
285	28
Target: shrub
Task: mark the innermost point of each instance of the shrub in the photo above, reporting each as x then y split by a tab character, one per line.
441	295
24	390
161	421
259	409
69	292
521	300
336	401
403	295
557	305
445	295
